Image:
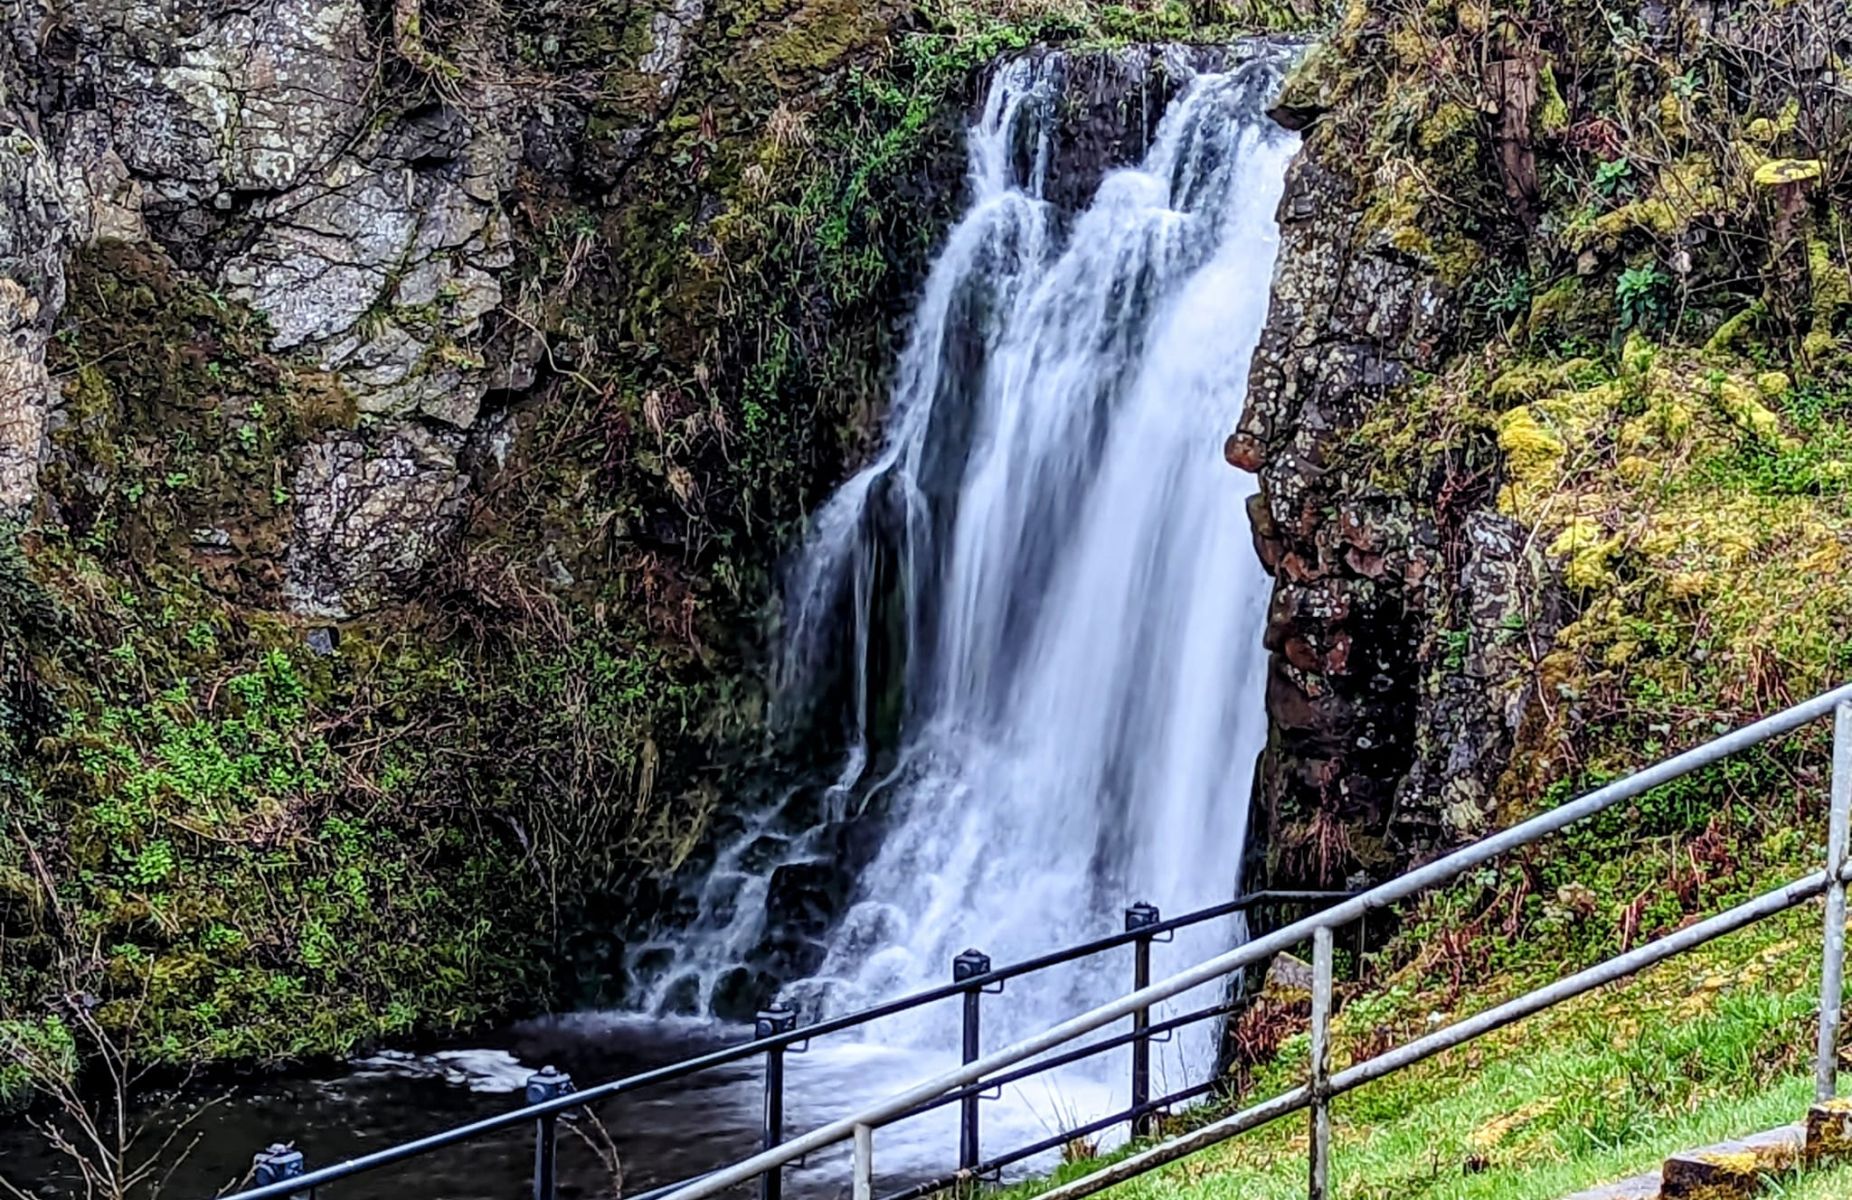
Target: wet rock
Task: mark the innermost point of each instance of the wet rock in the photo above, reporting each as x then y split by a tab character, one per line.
804	898
1243	453
550	140
1112	101
682	998
741	993
1402	629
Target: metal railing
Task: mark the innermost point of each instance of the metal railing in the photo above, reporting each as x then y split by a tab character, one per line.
282	1170
1323	1085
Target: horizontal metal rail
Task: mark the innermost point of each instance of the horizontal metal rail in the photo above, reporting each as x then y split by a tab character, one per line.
991	1168
300	1185
859	1126
1766	905
1054	1062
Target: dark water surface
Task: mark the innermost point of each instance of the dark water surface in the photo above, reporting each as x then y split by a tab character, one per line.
664	1134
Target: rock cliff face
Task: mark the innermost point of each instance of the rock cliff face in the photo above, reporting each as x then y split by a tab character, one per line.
253	148
396	407
1540	337
1396	685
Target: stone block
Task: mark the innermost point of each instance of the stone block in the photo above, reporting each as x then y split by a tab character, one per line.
1730	1170
1640	1187
1829	1130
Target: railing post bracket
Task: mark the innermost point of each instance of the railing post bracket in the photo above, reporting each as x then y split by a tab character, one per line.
769	1024
276	1163
548	1083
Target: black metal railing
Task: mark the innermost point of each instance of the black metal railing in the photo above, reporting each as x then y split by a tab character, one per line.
281	1170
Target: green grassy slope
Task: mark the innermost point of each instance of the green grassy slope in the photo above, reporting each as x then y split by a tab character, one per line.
1703	1048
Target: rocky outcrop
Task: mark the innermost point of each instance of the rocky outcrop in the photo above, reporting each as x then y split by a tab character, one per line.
266	149
395	400
370	513
31	291
1542	487
252	146
34	238
1402	633
1111	103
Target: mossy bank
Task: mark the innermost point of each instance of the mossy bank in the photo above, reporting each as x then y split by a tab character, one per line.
1552	421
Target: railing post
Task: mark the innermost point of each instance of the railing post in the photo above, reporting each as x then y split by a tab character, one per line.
1832	969
546	1084
969	965
771	1023
1321	1063
275	1163
864	1169
1141	916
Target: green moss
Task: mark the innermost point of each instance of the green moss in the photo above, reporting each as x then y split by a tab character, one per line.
1552	115
1444	124
179	419
1832	294
1679	195
1585	550
1731	337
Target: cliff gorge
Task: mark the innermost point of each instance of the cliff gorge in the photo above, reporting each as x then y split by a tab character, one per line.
402	408
1550	422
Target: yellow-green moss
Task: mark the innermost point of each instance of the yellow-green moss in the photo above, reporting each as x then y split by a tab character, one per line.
1680	193
1740	403
1552	115
1585	548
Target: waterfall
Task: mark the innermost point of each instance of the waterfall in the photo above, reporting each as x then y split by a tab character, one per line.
1039	605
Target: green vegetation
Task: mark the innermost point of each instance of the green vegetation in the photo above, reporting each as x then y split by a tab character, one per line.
249	844
1834	1184
1649	377
1699	1050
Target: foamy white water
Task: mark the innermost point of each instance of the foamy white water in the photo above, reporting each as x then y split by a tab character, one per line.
1052	539
1082	726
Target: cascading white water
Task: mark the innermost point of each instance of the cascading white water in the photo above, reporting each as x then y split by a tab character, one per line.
1052	539
1084	608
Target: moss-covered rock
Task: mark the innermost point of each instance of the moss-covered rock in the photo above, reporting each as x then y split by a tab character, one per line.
1601	328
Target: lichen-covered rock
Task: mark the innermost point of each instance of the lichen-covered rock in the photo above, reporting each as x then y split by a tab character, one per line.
1358	572
670	30
252	101
253	145
370	513
34	236
1515	425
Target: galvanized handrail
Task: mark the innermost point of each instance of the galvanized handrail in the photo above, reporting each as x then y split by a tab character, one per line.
281	1171
1317	1093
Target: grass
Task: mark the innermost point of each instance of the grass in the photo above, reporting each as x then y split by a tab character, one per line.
1834	1184
1703	1048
